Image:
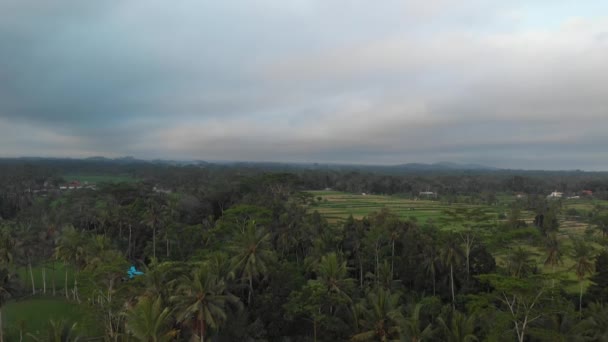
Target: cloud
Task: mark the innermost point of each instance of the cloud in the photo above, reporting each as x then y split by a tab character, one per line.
347	81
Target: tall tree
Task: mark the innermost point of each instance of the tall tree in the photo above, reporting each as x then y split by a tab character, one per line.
520	263
599	281
71	250
554	253
583	259
412	329
251	254
451	256
148	321
381	316
459	327
202	297
7	283
152	218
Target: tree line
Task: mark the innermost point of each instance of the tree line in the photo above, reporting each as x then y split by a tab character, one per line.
248	258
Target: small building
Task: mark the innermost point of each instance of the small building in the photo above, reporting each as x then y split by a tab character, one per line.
587	193
556	194
427	193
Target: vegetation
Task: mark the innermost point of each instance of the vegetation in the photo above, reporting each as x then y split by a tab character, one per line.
246	253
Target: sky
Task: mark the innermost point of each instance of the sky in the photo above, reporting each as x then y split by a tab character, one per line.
511	84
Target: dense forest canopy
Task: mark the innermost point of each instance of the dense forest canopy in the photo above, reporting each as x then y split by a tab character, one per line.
242	252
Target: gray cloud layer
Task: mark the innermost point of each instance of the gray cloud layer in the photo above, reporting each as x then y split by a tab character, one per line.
339	81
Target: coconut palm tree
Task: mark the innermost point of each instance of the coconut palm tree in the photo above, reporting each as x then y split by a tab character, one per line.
452	255
8	287
554	253
152	219
148	321
380	315
71	250
584	265
520	263
202	298
595	326
430	258
459	329
7	244
251	254
58	331
333	273
411	329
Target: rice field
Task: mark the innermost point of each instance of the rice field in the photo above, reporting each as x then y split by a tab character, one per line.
337	206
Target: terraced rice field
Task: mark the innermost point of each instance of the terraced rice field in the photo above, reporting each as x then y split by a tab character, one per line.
336	206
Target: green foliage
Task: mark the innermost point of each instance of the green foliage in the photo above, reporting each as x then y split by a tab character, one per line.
239	254
378	316
149	320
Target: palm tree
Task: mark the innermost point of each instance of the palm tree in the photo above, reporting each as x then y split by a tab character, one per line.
202	297
519	262
595	326
460	328
152	219
173	202
8	287
452	255
58	331
7	244
380	316
412	330
148	321
333	273
430	257
584	265
554	253
252	253
71	250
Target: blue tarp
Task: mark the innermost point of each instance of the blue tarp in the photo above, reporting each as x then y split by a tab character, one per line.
132	272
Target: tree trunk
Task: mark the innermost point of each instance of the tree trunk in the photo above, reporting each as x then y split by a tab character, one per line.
468	251
360	272
250	291
1	329
29	265
452	283
433	283
202	328
314	330
154	242
65	283
167	242
129	247
392	259
53	283
580	300
377	262
76	288
44	279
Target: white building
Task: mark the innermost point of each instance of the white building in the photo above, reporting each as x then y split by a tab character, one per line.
555	194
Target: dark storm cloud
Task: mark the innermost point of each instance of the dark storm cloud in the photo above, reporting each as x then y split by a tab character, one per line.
303	80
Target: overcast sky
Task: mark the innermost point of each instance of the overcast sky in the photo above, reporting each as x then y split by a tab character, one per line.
517	84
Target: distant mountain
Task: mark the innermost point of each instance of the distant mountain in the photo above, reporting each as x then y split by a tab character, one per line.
441	166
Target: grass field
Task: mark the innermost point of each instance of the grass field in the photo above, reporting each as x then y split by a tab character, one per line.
58	275
33	315
337	206
96	179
